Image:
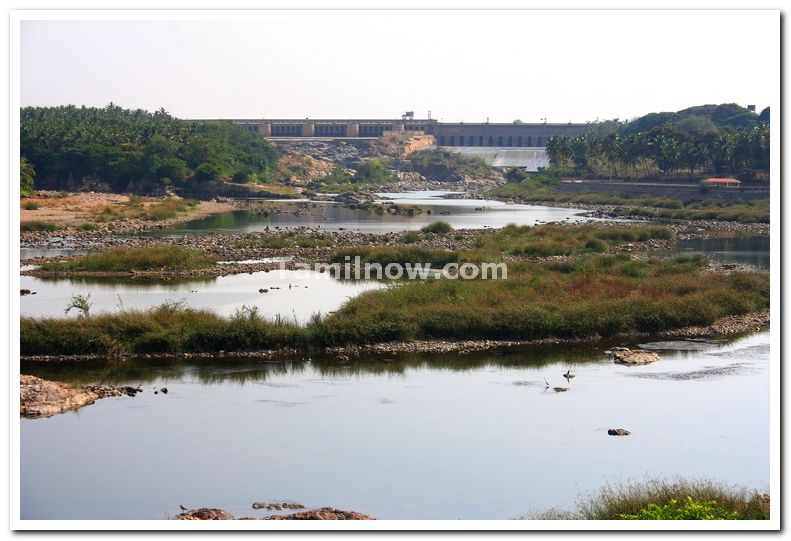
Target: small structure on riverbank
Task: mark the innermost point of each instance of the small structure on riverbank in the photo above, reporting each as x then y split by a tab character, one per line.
722	182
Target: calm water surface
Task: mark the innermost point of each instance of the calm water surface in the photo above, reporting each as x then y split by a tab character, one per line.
300	293
460	213
472	437
743	249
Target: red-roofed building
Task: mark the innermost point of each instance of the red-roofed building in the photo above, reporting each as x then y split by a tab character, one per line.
723	182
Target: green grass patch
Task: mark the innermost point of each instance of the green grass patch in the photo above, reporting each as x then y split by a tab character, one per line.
589	296
552	240
37	226
437	228
645	206
30	205
170	258
661	499
401	255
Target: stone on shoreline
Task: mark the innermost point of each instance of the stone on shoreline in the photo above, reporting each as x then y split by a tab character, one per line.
41	398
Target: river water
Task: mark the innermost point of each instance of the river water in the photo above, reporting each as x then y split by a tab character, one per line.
416	436
419	437
446	206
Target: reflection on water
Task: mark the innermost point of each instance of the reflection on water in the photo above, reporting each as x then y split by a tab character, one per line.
744	249
292	294
460	213
416	436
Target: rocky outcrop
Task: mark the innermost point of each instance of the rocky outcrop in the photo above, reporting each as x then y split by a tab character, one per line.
618	432
205	513
632	356
41	398
325	513
277	506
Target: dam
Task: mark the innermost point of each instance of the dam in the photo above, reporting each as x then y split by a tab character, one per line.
447	134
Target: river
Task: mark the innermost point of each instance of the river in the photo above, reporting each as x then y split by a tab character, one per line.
413	436
419	437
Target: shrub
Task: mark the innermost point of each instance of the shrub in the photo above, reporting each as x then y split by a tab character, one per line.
30	205
37	226
410	237
437	228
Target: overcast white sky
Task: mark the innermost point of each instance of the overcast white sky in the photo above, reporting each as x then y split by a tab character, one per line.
464	65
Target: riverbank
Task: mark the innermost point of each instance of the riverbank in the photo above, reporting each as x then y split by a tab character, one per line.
704	219
728	326
48	214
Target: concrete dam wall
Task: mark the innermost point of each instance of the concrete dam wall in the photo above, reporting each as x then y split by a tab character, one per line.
530	159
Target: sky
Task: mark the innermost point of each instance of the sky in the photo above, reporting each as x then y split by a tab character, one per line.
562	66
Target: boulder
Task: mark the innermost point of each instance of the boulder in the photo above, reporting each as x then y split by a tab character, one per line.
325	513
205	513
618	432
41	398
633	356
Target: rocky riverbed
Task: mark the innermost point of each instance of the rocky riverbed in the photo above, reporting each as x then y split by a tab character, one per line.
42	398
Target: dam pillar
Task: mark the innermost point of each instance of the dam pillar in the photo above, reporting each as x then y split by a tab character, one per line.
397	127
352	129
308	129
265	129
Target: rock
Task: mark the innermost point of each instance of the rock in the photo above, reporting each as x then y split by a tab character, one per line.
618	432
164	390
42	398
23	292
205	513
325	513
560	389
633	356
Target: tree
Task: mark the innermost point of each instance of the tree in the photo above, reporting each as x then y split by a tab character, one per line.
27	175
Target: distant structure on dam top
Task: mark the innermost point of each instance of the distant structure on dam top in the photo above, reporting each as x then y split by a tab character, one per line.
447	134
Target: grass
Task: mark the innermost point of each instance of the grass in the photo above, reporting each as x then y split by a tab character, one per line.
37	226
410	237
592	295
647	206
142	208
168	328
401	255
437	228
666	500
550	240
172	258
30	205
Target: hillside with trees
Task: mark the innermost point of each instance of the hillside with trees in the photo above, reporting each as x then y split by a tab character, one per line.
121	150
708	139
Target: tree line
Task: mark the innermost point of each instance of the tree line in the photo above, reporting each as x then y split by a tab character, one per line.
123	150
663	151
691	144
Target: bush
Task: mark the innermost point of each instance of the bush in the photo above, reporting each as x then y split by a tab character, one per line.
37	226
437	228
689	510
30	205
410	237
